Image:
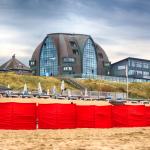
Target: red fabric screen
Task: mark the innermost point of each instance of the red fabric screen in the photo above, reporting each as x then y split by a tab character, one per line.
24	116
147	115
55	116
17	116
136	116
47	116
120	116
103	117
85	116
66	116
5	115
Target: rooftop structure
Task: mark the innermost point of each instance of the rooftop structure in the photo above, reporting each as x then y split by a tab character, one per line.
69	54
15	65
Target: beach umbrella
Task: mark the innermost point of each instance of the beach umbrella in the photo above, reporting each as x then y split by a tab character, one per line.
39	89
69	93
62	87
48	93
8	86
8	89
25	89
86	92
54	90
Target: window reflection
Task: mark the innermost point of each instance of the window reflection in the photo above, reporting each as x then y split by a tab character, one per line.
89	59
48	59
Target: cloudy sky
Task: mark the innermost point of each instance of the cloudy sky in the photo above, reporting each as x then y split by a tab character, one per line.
121	27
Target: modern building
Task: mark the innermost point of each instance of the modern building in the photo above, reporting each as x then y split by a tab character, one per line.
69	54
14	65
133	67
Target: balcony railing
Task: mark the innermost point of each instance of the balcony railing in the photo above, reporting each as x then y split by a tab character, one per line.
109	78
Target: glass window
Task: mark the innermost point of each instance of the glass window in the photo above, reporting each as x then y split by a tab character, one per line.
145	65
89	59
133	63
129	63
139	72
32	63
75	51
131	72
73	44
67	68
48	58
69	59
145	73
121	67
106	64
139	64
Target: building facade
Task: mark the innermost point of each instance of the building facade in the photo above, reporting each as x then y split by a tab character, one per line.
69	54
133	67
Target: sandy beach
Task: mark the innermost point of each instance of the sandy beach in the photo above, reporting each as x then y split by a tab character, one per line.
63	101
76	139
50	100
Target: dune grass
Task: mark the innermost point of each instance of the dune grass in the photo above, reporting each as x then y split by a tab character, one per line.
136	90
16	82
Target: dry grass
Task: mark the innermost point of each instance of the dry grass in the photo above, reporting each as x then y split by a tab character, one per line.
77	139
136	90
17	82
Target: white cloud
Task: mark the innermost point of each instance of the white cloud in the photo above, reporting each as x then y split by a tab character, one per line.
10	43
121	33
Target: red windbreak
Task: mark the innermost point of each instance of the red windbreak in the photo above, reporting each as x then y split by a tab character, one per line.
120	116
17	116
136	116
66	116
55	116
24	116
85	116
5	115
147	115
103	117
62	116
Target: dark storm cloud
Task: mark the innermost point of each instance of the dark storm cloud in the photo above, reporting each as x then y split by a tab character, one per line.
114	12
112	23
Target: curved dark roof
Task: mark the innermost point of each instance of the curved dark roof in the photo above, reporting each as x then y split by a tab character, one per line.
62	43
101	51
